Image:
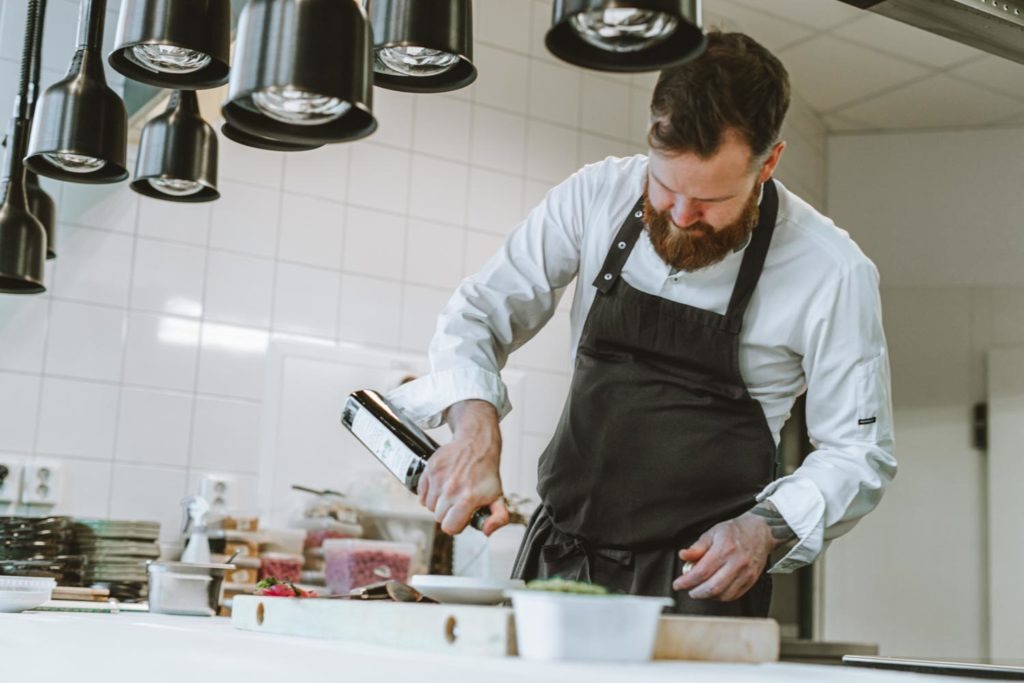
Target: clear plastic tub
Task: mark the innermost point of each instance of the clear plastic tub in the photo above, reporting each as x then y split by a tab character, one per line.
406	527
289	541
563	626
352	563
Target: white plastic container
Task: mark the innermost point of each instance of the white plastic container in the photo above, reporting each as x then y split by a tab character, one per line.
20	593
565	626
184	588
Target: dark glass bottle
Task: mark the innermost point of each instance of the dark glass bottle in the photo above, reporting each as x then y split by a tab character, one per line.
394	439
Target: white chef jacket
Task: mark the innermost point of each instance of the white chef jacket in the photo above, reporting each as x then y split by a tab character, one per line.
814	323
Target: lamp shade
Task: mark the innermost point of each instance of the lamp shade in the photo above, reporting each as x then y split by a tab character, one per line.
178	154
626	35
301	72
80	127
422	46
42	206
22	236
174	44
260	142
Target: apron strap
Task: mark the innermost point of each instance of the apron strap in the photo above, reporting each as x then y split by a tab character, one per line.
625	239
753	258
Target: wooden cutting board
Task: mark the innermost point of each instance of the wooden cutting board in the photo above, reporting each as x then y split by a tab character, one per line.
472	630
454	628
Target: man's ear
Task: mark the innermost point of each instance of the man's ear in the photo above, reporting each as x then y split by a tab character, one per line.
768	168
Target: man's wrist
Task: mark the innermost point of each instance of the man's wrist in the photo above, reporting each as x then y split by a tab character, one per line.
781	532
474	420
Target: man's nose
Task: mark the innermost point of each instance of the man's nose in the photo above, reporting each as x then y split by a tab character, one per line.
685	212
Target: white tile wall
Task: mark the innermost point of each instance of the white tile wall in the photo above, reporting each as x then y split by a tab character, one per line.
105	271
370	311
154	427
168	278
161	351
77	418
19	407
311	231
175	222
306	300
239	289
85	341
143	367
245	219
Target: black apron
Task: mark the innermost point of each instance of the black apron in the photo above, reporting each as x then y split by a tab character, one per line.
659	439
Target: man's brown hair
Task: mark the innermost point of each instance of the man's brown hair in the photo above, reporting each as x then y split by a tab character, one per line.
736	83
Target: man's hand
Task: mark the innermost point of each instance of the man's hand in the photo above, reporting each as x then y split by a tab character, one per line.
730	557
463	474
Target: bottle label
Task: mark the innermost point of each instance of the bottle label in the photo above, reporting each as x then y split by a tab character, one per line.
395	455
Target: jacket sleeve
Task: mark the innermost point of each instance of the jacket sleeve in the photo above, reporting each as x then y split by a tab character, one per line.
849	420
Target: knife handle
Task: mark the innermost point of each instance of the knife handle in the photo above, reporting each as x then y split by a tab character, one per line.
479	518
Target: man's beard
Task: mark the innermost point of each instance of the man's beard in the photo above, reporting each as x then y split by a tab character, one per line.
698	245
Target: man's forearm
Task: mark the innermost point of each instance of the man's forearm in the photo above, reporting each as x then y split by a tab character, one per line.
781	532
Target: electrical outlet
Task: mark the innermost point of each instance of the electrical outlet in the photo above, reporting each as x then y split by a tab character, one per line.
41	483
10	482
218	490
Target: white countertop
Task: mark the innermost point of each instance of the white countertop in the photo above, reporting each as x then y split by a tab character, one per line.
89	648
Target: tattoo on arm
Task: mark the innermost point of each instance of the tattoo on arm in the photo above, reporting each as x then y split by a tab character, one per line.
780	530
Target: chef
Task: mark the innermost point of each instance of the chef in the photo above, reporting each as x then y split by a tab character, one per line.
707	298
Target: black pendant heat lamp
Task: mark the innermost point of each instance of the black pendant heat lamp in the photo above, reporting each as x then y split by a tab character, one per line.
22	236
422	46
261	142
40	203
80	130
626	35
174	44
42	206
178	154
301	72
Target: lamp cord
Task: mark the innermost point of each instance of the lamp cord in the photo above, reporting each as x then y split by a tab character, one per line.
27	58
37	57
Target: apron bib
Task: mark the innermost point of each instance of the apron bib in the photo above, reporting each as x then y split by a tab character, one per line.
659	439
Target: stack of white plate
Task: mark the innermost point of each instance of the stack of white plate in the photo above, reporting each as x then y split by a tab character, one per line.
20	593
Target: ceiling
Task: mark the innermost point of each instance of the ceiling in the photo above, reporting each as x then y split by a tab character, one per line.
861	71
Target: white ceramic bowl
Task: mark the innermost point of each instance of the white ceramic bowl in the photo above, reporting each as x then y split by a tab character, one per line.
566	626
464	590
20	593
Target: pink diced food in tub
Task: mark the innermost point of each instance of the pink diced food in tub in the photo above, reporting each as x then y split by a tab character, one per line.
285	568
352	564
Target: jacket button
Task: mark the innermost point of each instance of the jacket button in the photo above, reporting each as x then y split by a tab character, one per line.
639	214
608	276
622	245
